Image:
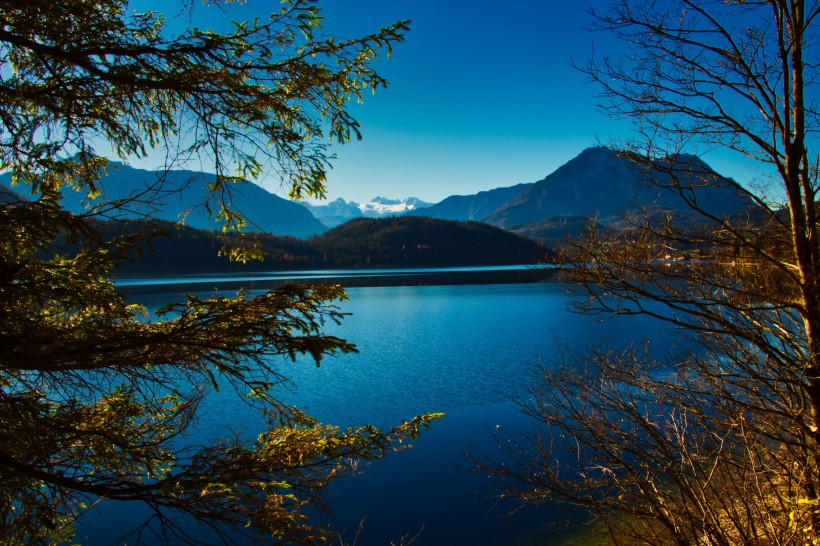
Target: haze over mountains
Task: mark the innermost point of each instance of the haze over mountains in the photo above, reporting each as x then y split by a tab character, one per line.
597	183
178	196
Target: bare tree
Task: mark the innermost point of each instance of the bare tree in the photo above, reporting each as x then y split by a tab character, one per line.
719	445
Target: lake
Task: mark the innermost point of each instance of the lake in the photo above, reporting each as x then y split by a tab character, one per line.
469	350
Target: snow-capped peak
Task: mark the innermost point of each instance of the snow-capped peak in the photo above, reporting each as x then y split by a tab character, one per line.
339	211
380	206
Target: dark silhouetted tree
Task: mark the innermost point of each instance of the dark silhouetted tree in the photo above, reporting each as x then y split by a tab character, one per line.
95	396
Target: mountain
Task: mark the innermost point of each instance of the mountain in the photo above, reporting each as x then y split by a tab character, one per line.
7	195
381	206
472	207
340	211
179	196
556	229
335	212
598	183
601	183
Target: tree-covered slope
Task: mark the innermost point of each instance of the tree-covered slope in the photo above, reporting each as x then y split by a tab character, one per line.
422	241
385	242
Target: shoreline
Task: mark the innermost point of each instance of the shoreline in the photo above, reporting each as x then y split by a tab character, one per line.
347	278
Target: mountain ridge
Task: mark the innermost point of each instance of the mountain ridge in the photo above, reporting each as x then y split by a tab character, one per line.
598	183
179	195
472	207
601	183
339	211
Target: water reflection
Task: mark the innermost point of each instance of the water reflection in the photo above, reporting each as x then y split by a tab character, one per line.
466	350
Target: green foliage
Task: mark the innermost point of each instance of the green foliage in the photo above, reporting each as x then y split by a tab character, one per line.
96	395
268	92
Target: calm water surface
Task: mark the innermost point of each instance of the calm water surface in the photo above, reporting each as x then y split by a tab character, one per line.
469	351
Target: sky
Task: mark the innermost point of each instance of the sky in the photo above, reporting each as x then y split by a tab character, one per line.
482	95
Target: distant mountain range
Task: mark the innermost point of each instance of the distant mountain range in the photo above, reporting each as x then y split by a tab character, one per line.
472	207
599	183
340	211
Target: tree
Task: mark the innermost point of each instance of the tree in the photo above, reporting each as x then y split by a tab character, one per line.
721	444
96	396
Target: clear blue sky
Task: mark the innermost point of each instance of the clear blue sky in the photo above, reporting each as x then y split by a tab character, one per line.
482	95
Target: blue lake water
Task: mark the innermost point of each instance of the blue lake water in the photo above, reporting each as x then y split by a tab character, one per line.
467	350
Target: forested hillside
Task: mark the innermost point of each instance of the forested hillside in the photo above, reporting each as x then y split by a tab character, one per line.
387	242
422	241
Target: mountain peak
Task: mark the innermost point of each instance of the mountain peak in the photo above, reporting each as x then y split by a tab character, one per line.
381	206
385	201
603	183
340	211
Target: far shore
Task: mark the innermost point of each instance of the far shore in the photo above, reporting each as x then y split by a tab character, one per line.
206	282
